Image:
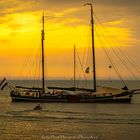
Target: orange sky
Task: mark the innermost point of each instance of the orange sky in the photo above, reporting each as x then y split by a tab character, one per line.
66	24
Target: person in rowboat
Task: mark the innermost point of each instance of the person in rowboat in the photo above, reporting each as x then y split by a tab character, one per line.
38	107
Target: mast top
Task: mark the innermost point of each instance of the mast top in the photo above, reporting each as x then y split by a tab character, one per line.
88	4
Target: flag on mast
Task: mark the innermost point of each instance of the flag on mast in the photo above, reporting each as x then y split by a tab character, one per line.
3	83
87	70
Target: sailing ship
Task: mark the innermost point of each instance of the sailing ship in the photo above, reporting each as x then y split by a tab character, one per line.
72	94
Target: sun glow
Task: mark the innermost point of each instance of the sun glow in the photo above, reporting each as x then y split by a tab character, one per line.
22	31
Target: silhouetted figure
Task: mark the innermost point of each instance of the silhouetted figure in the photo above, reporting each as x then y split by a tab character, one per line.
38	107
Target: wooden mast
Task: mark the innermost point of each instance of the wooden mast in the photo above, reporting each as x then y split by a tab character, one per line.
74	67
42	41
93	46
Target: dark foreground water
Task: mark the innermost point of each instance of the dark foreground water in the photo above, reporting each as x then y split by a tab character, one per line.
68	121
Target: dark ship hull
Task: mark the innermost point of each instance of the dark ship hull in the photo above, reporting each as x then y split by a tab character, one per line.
124	97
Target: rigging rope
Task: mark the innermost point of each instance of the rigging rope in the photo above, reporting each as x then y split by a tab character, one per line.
110	60
81	67
123	54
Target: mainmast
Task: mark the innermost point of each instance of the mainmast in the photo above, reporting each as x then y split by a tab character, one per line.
42	41
74	67
93	46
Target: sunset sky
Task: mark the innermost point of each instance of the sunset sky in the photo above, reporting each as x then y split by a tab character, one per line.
67	24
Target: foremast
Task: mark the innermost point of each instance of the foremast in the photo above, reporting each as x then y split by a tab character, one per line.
93	47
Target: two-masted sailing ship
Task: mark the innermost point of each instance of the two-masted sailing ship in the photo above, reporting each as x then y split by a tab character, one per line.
82	95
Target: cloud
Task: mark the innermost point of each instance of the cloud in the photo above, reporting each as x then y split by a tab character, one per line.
16	6
119	2
4	40
72	13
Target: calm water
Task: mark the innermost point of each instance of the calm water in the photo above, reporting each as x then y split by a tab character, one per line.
69	120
